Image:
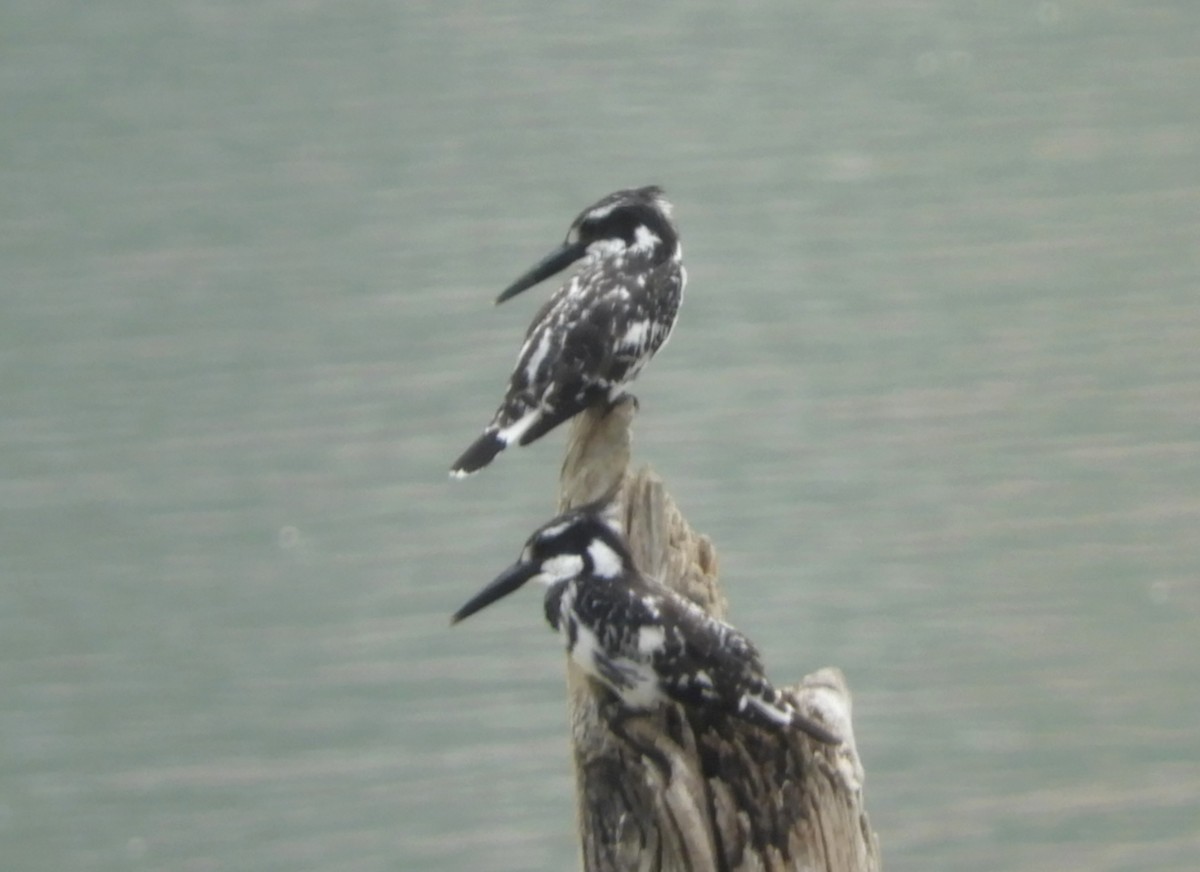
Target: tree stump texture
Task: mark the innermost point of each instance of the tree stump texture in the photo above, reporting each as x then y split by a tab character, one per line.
681	791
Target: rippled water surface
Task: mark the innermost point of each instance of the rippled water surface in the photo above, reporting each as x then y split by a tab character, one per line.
935	394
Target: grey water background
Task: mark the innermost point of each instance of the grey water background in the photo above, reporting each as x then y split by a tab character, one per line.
935	394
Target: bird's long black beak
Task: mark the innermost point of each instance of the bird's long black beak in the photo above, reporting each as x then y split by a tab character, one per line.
504	584
556	261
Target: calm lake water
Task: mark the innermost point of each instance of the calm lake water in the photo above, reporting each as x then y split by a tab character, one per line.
935	394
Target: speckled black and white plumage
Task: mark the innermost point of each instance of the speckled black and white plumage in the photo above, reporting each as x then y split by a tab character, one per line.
599	329
644	642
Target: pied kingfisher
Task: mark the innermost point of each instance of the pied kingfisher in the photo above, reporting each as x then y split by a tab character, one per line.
644	642
599	329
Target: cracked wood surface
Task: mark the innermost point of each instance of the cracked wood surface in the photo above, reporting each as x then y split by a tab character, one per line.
675	791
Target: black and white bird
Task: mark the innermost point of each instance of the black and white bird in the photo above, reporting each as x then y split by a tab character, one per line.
644	642
599	329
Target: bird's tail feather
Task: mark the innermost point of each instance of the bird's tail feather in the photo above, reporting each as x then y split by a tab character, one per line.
523	428
547	421
479	455
814	730
768	708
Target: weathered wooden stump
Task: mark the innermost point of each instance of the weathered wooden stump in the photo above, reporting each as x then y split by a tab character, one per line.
675	791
